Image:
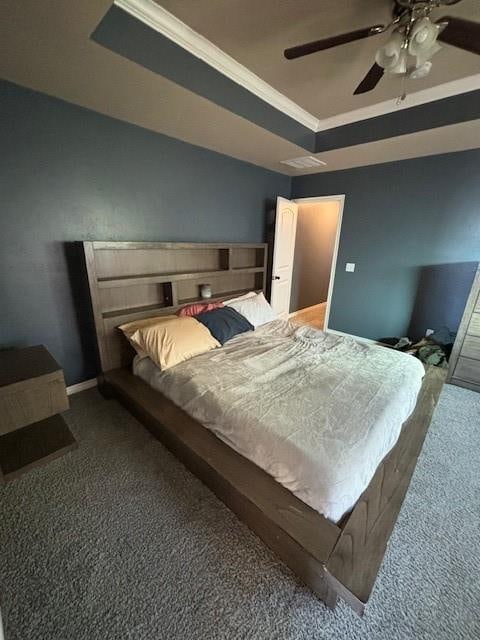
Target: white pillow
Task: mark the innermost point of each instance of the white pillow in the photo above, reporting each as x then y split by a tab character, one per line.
255	309
228	303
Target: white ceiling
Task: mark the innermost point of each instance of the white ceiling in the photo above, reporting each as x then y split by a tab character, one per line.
46	46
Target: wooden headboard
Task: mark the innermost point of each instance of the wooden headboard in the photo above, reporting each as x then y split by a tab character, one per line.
133	280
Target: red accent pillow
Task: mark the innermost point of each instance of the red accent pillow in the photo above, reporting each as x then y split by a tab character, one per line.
198	307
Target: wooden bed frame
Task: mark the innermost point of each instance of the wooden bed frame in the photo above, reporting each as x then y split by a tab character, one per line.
137	280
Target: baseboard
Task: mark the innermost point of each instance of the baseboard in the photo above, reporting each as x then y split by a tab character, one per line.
314	306
350	335
81	386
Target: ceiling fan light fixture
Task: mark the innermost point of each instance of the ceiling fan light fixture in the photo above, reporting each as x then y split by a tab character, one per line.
392	55
402	64
421	71
424	56
422	42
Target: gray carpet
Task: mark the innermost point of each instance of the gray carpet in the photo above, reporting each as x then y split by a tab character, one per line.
118	540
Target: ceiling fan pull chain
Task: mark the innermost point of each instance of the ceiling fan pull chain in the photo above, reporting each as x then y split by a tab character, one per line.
401	98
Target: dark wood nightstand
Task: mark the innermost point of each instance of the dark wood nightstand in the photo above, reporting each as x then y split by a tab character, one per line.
32	394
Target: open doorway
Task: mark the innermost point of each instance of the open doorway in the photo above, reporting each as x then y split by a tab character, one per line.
316	245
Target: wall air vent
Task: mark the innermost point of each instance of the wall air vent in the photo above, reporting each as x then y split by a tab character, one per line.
306	162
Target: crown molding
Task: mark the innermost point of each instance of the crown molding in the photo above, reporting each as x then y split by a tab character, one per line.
439	92
161	20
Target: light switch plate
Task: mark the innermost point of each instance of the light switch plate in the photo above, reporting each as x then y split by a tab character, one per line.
350	266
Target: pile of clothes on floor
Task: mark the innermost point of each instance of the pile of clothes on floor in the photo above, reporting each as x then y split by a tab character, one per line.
434	349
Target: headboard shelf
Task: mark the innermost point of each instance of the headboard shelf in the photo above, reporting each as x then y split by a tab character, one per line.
122	313
225	296
174	246
158	278
247	269
135	280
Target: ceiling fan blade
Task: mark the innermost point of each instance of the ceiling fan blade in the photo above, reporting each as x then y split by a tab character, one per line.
461	33
371	80
334	41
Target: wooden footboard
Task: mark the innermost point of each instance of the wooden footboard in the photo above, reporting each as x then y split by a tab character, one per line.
354	563
333	560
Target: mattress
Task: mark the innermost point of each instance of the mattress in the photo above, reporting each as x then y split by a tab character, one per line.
316	411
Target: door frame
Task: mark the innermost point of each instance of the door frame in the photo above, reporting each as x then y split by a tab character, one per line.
340	198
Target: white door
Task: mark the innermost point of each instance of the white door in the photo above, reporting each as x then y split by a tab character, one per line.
283	253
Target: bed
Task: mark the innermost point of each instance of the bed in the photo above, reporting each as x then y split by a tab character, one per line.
326	505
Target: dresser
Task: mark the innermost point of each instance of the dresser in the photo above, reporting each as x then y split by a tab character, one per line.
464	369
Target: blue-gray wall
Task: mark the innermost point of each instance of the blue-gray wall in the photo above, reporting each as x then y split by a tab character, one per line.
68	174
399	219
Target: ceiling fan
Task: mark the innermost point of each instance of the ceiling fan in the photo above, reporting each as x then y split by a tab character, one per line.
413	41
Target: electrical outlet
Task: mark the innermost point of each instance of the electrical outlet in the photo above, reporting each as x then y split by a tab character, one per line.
350	267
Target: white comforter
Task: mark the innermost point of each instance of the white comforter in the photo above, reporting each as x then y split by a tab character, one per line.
316	411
